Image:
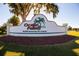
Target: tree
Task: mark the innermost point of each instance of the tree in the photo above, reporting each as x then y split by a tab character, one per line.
3	28
70	28
23	9
51	7
14	20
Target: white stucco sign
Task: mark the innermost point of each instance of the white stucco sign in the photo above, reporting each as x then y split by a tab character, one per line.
38	26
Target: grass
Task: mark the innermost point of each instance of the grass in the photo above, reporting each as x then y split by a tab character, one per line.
47	50
73	33
70	48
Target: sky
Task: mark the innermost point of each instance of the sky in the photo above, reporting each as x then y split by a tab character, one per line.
68	13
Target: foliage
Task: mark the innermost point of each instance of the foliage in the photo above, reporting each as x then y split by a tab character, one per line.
20	9
3	29
23	9
14	20
69	28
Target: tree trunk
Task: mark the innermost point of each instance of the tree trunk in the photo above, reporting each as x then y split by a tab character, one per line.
26	14
23	18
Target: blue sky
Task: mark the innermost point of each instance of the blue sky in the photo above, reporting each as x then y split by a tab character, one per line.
68	13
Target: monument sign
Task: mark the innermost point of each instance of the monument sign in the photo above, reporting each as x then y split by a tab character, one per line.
38	26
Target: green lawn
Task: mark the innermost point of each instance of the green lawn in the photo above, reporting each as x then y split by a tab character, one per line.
64	49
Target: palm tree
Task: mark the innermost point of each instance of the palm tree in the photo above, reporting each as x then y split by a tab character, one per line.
23	9
39	21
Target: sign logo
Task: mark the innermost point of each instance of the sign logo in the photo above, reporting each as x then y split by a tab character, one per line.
37	24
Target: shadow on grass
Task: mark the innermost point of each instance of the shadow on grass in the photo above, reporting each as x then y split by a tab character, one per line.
64	49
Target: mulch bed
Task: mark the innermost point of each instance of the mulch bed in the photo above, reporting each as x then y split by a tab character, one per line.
36	40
